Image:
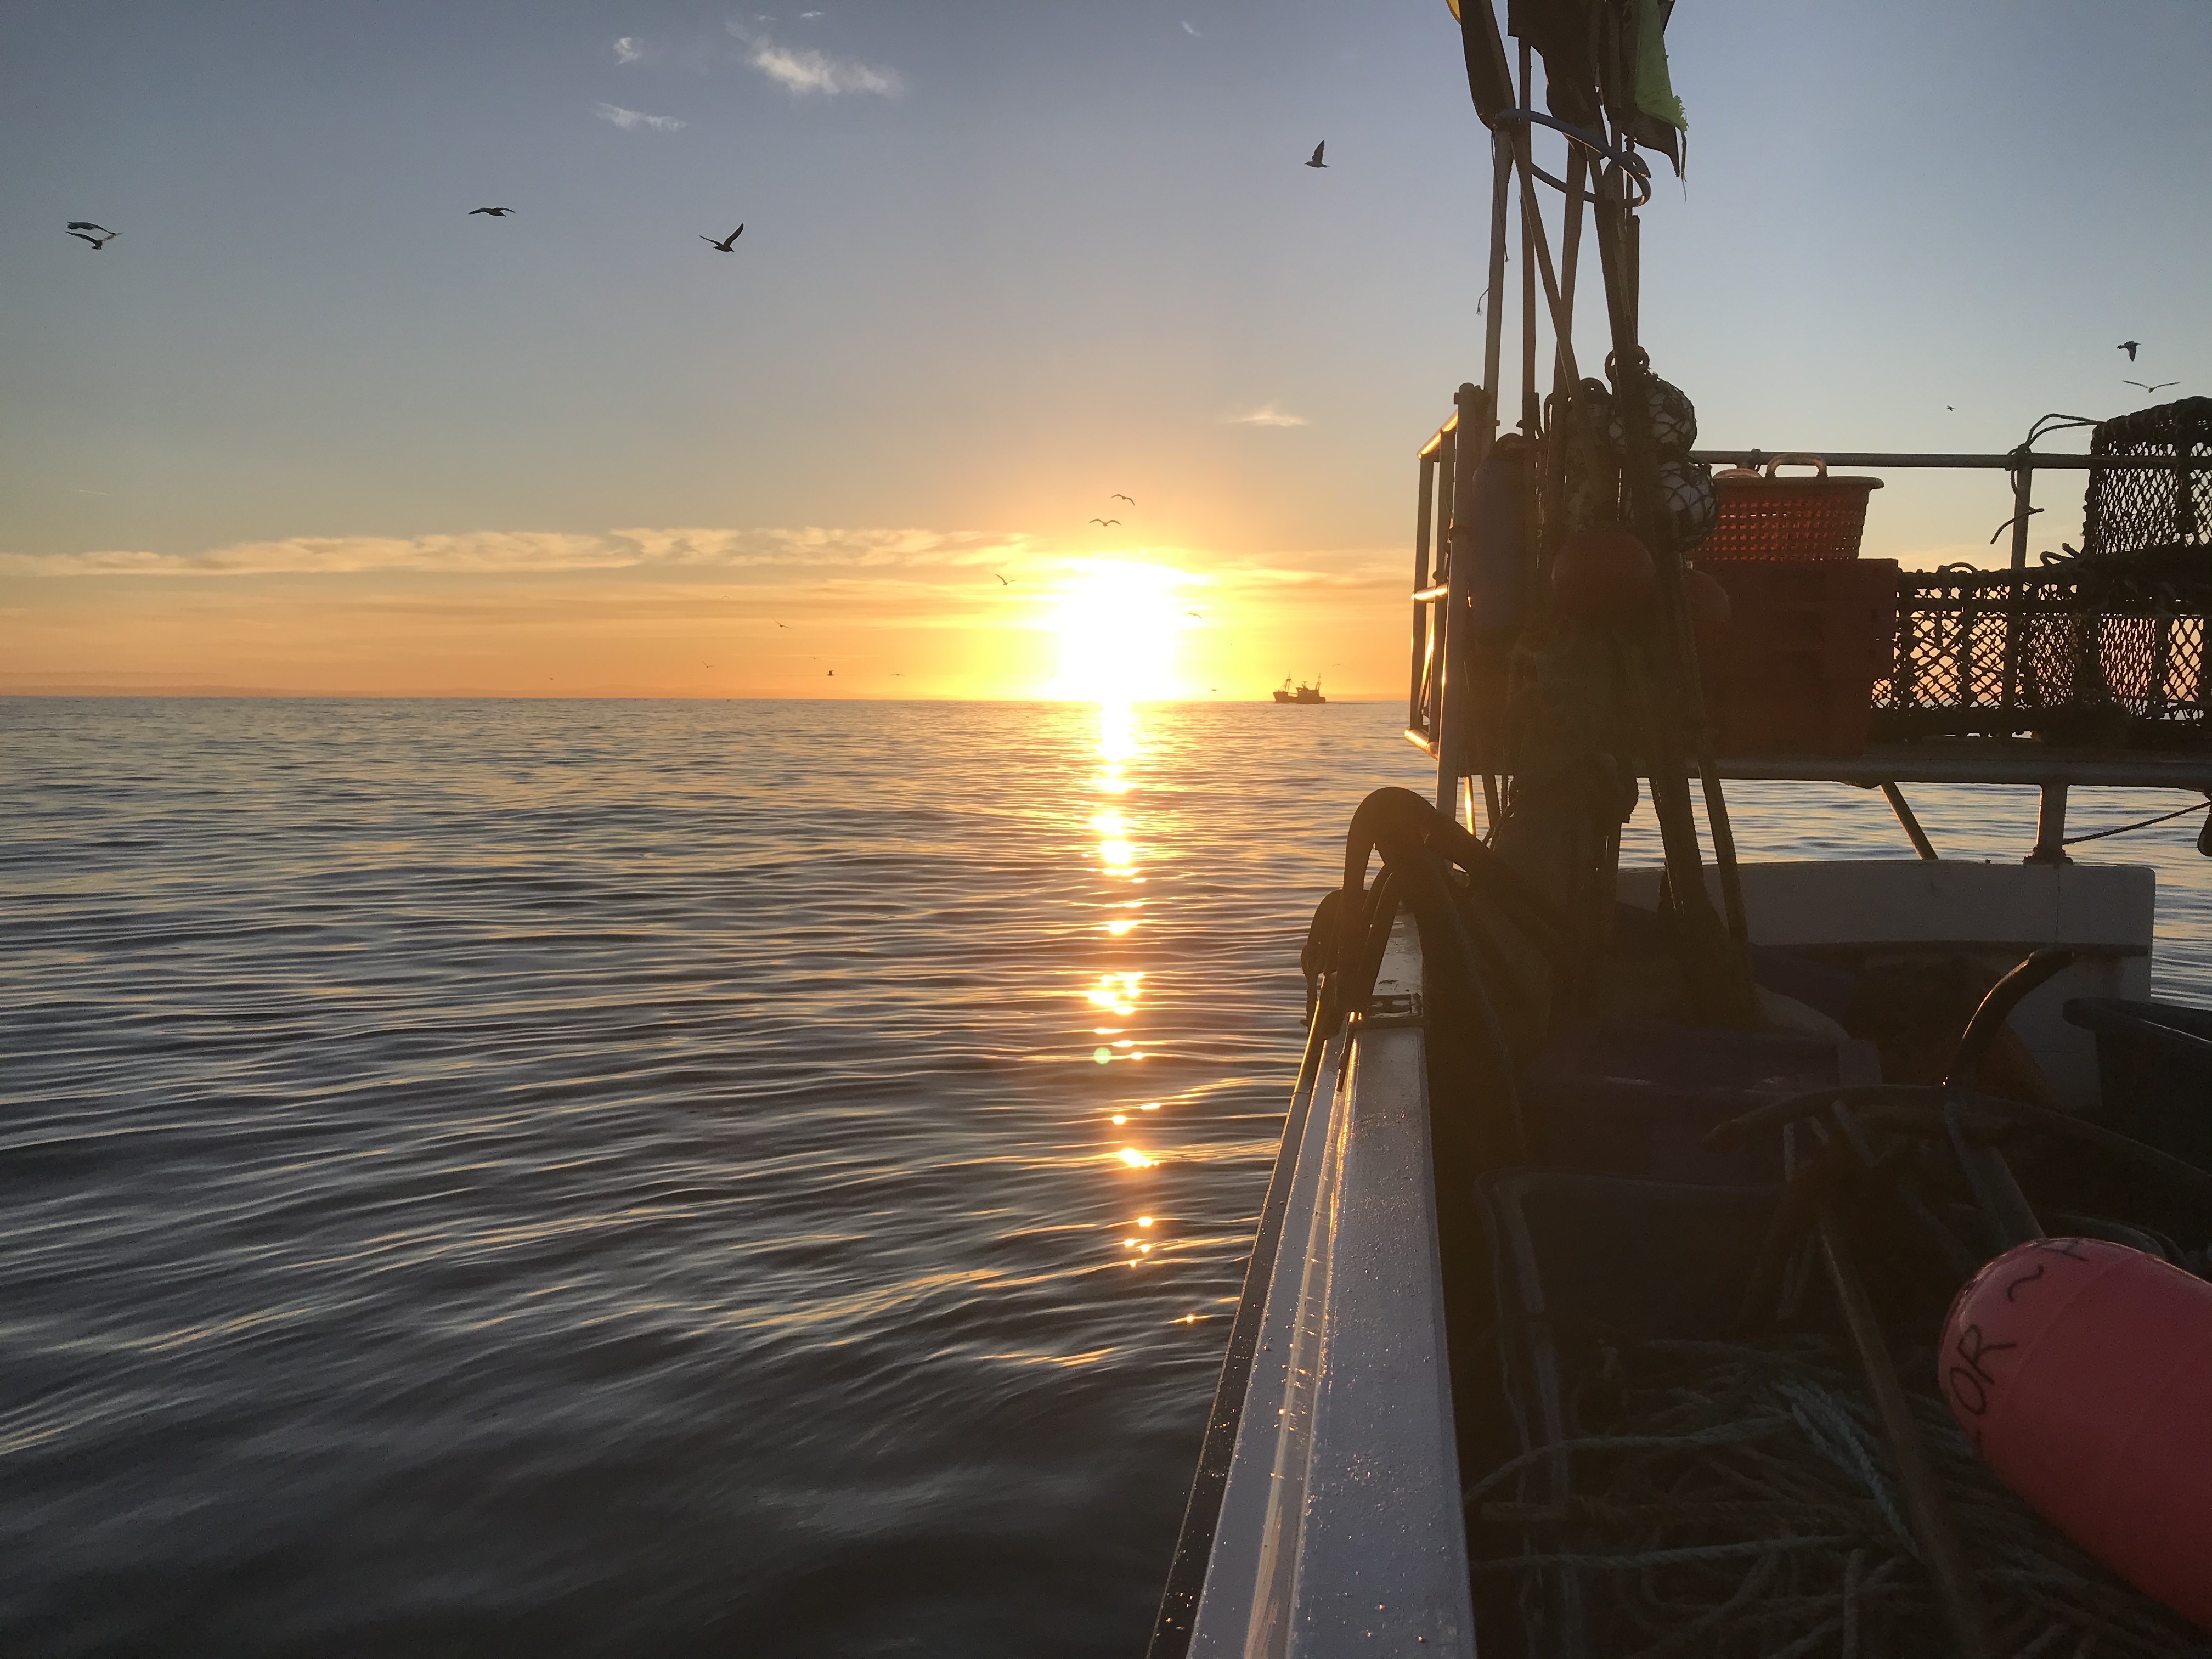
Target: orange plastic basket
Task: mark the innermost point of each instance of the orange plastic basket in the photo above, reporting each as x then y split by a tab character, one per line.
1771	518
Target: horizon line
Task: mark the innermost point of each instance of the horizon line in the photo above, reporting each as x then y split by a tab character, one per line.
243	695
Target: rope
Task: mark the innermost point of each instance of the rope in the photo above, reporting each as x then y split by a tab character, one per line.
2143	823
1723	1435
1732	1499
1661	1557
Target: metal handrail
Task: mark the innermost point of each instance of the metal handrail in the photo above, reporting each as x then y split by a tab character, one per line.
2010	461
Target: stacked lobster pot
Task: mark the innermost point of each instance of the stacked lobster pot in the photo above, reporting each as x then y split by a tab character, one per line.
2102	644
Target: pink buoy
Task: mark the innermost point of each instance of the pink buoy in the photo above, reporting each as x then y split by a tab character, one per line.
2082	1370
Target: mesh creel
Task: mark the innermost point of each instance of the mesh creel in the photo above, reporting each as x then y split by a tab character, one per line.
2105	655
2134	512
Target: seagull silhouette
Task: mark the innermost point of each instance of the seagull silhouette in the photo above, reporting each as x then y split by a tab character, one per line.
1193	613
1105	521
1317	161
779	625
1003	582
726	245
497	213
1132	500
2127	346
831	675
78	227
2151	389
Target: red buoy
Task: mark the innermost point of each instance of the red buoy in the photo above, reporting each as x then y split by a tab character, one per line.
2082	1372
1604	575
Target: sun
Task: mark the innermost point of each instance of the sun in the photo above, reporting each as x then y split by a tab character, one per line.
1117	623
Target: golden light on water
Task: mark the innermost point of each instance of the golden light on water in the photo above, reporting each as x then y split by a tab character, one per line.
1116	623
1114	819
1117	992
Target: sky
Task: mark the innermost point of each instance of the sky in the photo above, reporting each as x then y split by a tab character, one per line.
307	425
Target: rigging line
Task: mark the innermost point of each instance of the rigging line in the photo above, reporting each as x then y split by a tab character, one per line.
2044	425
1570	244
1532	410
2098	835
1532	217
1501	173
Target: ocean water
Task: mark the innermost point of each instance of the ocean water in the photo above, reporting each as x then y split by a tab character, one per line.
581	1178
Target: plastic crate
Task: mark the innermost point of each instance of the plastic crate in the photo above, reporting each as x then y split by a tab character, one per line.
1764	517
1637	1097
2155	1071
1806	643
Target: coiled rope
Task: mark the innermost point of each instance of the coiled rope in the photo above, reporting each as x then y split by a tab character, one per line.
1730	1501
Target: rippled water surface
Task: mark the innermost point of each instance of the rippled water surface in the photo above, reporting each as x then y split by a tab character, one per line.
664	1178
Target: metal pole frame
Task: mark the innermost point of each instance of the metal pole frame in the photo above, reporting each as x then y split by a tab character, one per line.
1474	421
1419	656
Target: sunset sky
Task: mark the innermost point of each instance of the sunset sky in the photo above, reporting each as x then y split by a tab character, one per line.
307	426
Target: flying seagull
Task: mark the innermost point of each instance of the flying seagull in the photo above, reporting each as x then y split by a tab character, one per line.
779	625
1003	582
497	213
1132	500
831	675
726	245
1317	161
1105	521
2127	346
2153	389
78	227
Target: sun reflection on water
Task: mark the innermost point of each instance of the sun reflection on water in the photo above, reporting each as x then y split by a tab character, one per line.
1111	815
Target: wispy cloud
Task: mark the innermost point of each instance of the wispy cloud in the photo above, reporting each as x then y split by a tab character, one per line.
1266	415
630	119
803	70
628	49
523	551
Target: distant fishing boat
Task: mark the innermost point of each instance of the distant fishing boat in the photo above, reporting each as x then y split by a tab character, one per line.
1716	1258
1305	693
